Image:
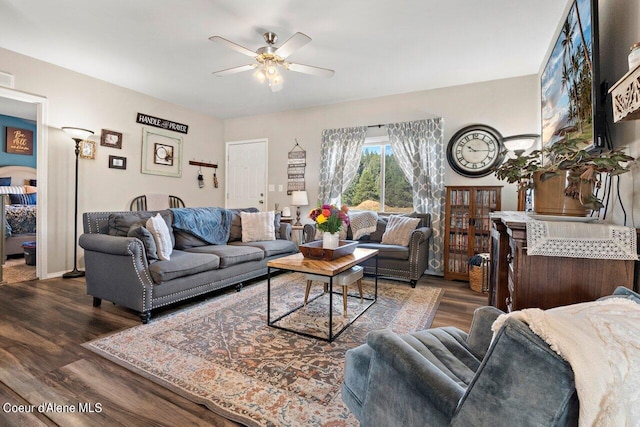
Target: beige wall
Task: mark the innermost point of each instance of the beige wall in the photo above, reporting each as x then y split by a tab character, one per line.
511	106
618	31
78	100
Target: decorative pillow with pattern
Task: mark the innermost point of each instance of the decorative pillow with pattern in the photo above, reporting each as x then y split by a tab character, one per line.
258	226
161	236
399	229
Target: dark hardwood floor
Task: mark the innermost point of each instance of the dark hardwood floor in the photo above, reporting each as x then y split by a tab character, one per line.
42	326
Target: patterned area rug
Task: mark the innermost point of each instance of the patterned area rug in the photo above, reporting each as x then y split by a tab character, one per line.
222	354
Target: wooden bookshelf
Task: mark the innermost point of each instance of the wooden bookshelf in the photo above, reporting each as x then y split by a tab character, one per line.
467	226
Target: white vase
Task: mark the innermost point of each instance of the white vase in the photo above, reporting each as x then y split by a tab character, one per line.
330	240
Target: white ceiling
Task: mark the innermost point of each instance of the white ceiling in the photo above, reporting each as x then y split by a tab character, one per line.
381	47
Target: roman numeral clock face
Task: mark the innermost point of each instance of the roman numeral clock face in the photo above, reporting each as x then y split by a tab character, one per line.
475	150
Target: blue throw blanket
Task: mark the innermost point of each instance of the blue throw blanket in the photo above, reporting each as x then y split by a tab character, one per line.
212	225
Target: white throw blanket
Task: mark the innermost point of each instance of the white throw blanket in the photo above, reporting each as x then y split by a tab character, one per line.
601	342
363	223
157	202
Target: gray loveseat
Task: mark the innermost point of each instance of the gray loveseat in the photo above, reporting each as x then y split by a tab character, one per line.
445	377
119	268
398	262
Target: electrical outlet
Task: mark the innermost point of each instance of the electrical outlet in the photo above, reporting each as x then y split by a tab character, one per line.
280	188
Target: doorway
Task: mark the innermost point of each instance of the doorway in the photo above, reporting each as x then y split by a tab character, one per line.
13	102
246	174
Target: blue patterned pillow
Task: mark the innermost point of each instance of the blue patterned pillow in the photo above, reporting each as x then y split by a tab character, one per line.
23	199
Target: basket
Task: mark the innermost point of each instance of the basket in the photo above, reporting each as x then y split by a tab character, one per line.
479	275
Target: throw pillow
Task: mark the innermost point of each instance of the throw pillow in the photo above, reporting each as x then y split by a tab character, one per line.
138	231
161	236
257	227
363	223
24	199
5	181
399	229
236	223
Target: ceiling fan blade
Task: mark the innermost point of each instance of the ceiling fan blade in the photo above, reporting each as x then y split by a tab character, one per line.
308	69
234	46
235	70
294	43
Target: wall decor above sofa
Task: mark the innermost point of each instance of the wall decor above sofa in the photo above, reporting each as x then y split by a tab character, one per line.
161	153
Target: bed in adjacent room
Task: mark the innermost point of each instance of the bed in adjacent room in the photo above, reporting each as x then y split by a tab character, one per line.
18	188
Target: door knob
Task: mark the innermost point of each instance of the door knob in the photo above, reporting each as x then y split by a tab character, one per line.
261	202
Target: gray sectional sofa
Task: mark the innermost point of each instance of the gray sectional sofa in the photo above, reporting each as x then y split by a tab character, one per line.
120	269
394	261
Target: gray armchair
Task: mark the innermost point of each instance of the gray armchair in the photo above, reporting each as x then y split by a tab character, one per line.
445	377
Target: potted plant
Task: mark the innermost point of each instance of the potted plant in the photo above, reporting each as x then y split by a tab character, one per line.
576	170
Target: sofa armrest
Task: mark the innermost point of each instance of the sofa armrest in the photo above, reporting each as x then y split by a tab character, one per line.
115	245
421	234
285	231
308	233
117	270
480	333
416	370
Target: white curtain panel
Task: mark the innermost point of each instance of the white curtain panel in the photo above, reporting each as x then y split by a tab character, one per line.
419	148
340	155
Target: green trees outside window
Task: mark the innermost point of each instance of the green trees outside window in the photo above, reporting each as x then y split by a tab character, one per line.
379	184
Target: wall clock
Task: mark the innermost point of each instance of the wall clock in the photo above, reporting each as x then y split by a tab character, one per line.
475	150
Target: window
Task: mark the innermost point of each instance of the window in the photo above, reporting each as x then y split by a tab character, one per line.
379	184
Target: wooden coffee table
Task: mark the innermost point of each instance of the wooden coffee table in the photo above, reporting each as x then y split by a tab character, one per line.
330	269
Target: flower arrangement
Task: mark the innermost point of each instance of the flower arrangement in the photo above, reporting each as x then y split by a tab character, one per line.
330	218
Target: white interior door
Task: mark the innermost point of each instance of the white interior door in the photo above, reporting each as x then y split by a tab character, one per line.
246	174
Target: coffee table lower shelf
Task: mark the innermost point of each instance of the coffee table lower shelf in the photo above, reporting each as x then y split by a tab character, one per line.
349	260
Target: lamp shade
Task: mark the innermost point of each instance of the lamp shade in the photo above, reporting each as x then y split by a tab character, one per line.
77	133
520	143
299	198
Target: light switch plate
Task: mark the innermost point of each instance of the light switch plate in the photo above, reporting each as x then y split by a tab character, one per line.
272	187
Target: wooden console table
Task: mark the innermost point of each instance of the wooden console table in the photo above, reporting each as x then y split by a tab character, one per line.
520	281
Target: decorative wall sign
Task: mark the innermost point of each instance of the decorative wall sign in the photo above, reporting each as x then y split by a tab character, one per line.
111	139
19	141
117	162
296	162
87	149
161	123
161	153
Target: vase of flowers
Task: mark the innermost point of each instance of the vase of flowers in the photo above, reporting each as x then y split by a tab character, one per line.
329	220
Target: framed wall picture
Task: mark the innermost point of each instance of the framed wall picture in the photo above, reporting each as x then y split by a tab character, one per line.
19	141
117	162
87	149
111	139
161	153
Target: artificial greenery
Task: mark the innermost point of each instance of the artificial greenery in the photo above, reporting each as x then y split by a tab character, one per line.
583	166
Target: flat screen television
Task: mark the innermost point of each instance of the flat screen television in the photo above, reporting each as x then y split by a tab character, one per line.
572	102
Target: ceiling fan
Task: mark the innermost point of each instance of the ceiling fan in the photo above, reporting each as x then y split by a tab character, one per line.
270	58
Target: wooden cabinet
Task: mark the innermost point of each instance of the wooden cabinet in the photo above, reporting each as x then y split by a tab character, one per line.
467	226
519	281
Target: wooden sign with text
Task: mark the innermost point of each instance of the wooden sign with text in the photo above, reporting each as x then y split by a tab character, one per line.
19	141
145	119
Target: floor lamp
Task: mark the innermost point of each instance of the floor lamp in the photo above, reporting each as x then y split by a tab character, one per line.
77	134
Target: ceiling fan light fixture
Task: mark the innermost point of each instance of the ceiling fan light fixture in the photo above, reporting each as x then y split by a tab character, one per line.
259	74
